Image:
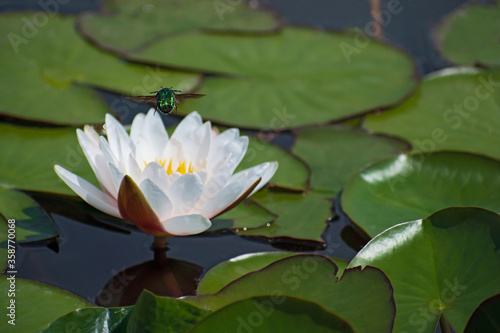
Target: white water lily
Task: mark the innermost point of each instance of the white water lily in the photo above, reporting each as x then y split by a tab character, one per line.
166	185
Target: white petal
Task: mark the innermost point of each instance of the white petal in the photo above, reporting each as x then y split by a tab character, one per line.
157	174
133	169
116	175
265	171
185	193
88	192
197	144
90	146
212	204
190	123
106	151
91	134
157	199
136	127
235	148
154	132
118	139
187	225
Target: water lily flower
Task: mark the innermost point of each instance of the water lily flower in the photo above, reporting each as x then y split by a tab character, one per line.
166	185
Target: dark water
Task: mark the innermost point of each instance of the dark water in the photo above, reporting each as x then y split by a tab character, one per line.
89	253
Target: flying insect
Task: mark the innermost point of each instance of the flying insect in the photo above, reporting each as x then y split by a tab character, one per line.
165	100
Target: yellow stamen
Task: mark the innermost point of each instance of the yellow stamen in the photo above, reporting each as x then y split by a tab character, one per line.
169	169
191	169
182	168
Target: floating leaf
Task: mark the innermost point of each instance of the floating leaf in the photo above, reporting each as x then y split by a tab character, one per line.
343	153
410	187
455	109
224	273
247	215
470	35
300	76
445	264
485	318
29	315
161	314
113	30
4	242
32	222
300	216
361	297
53	86
29	155
289	315
292	173
112	320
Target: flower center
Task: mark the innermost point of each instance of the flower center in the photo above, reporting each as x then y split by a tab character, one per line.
170	168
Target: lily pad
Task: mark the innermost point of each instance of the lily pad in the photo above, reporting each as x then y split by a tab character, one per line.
29	155
4	242
410	187
224	273
247	215
289	315
300	216
55	86
29	315
292	173
470	35
31	221
361	297
485	318
455	109
446	264
112	29
343	153
161	314
112	320
300	76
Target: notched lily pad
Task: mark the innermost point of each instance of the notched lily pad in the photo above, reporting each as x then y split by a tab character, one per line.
300	76
446	264
302	217
469	35
454	109
113	30
247	215
361	297
50	68
335	154
409	187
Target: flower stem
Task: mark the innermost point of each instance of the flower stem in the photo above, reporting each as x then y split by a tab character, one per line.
160	248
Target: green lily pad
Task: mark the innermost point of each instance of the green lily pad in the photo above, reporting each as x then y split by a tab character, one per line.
247	215
470	35
289	315
224	273
292	173
343	153
112	30
485	318
54	86
112	320
361	297
455	109
446	264
410	187
29	315
29	155
161	314
32	222
300	76
300	216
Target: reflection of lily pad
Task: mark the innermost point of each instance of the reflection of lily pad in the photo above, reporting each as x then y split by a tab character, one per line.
29	318
224	273
406	188
300	216
300	76
361	297
456	109
336	154
445	264
155	19
47	71
470	34
289	315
